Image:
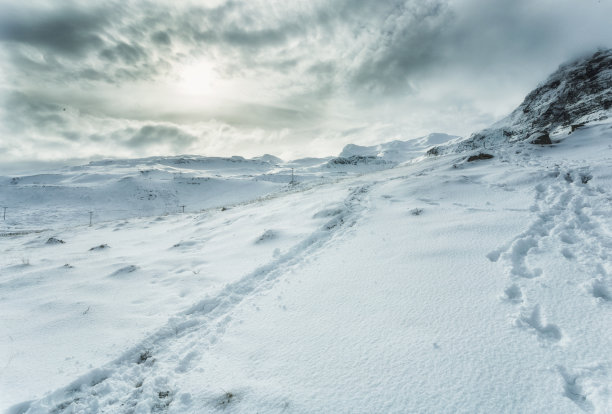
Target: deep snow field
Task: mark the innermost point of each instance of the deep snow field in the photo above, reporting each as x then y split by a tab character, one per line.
414	285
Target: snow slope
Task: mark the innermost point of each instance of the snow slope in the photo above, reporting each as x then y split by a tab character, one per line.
437	286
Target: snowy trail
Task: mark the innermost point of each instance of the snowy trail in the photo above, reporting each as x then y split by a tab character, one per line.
172	348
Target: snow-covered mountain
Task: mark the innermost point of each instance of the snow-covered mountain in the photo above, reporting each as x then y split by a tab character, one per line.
395	152
577	93
381	280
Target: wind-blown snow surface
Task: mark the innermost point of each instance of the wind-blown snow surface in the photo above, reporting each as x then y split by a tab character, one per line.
435	286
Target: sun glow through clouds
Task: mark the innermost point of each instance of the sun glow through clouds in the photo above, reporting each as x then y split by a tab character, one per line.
197	79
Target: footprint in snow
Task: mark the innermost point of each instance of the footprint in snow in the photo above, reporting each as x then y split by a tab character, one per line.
589	387
567	253
599	290
513	294
534	320
516	257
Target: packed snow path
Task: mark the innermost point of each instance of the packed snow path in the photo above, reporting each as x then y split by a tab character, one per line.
442	286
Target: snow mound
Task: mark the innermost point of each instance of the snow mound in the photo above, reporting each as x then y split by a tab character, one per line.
271	159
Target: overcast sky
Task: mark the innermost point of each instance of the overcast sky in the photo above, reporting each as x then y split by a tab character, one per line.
84	79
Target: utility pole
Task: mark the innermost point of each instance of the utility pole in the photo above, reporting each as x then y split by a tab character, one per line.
4	215
90	217
292	182
183	207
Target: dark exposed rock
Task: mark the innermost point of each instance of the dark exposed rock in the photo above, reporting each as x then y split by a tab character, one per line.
356	159
433	151
573	91
481	156
576	126
100	247
585	178
540	138
144	356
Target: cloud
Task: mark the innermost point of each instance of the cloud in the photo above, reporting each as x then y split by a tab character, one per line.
266	74
161	38
407	42
130	54
69	31
161	134
76	42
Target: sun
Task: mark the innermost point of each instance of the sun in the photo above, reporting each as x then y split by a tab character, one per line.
197	78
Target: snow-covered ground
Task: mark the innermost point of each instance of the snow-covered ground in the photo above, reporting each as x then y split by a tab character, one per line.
417	284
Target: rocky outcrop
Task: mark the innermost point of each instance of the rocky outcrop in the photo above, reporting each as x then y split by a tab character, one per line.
540	138
577	93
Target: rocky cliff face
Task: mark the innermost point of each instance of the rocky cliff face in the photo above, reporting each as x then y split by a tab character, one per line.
577	93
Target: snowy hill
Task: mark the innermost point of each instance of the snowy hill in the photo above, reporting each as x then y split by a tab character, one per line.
115	189
393	282
120	189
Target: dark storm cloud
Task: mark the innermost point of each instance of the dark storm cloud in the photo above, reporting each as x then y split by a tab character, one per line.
161	38
128	53
394	39
157	134
257	38
248	40
408	42
78	42
66	31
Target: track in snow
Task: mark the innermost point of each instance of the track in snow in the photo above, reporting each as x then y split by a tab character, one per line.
572	222
143	378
